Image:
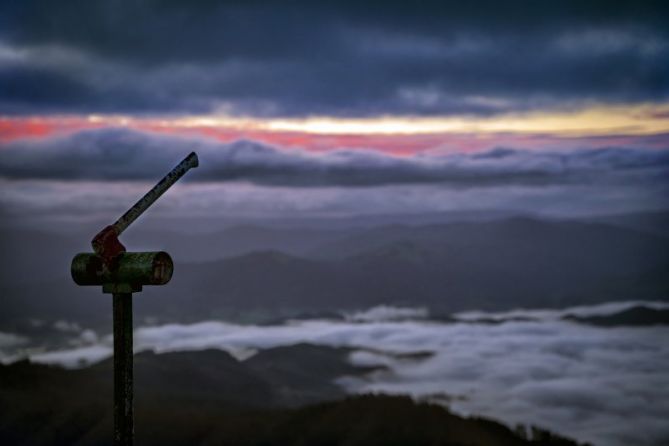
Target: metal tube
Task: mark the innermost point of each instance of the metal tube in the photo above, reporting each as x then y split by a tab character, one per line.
147	200
123	382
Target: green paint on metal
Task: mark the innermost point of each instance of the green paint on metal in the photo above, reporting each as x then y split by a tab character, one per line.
133	268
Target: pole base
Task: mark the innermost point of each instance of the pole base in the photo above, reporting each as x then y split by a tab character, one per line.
123	376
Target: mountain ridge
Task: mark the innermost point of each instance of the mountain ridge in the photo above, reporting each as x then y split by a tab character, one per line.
490	265
208	397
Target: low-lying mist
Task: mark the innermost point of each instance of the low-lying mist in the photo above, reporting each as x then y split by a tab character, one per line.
605	385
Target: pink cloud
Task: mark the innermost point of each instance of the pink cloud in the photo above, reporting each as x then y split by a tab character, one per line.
12	129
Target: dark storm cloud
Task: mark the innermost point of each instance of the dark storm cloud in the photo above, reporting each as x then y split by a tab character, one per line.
121	154
346	58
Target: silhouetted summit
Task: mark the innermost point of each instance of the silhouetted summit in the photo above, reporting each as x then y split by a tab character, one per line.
208	397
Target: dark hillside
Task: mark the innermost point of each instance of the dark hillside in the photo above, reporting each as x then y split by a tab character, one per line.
209	398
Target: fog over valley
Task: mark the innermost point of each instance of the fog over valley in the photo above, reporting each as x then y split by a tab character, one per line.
540	367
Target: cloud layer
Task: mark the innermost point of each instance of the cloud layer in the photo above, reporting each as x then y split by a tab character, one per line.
604	385
121	154
341	58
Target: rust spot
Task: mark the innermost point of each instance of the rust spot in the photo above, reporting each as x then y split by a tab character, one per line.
106	244
162	268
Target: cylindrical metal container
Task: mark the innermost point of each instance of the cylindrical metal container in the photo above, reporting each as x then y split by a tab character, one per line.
133	268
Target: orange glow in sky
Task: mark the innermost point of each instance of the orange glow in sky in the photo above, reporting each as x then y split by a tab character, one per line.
644	124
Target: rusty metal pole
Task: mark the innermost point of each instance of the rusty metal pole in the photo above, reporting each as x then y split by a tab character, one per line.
151	196
122	273
106	243
123	379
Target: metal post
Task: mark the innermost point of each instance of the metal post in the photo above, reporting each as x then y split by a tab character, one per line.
147	200
123	385
122	273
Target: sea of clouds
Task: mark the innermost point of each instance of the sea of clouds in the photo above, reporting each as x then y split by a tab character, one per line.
608	386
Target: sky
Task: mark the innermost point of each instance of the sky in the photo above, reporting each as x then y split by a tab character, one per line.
344	109
324	109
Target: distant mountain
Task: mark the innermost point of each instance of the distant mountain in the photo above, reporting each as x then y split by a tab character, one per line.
651	222
279	377
29	256
492	265
511	234
635	316
303	373
207	397
231	241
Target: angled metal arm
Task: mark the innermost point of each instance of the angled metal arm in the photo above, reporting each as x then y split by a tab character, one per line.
106	243
151	196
